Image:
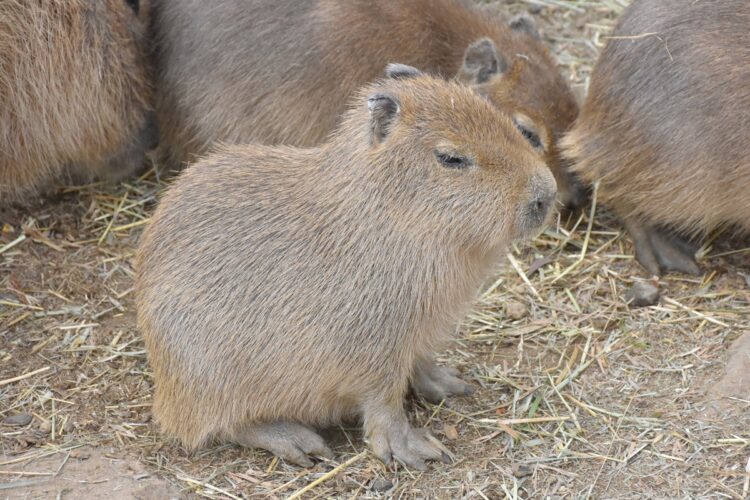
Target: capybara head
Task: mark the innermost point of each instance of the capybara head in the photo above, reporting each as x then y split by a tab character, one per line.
527	85
75	92
470	166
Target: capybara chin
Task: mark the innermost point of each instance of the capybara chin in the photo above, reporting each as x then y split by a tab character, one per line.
283	289
75	93
665	128
280	71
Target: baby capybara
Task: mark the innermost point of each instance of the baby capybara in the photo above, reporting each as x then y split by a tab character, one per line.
281	71
75	92
666	126
283	289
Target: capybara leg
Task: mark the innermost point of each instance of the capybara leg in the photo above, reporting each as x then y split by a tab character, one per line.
436	383
659	251
391	437
288	440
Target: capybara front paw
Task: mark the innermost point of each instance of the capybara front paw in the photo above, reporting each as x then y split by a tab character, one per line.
288	440
412	447
435	383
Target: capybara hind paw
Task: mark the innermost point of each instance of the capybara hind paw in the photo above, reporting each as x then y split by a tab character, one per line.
412	447
660	251
436	383
288	440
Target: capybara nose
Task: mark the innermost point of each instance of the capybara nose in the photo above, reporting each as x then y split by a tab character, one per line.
543	193
541	205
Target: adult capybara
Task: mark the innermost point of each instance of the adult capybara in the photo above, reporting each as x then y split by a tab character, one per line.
281	289
281	71
665	129
75	92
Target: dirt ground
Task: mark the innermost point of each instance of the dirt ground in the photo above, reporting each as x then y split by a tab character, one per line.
577	395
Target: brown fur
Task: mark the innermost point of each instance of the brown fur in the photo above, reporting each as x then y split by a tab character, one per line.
280	71
279	288
74	92
665	127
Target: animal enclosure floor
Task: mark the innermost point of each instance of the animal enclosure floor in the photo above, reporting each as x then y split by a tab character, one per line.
576	394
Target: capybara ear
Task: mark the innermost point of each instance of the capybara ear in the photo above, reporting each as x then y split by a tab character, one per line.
383	109
481	61
526	24
398	71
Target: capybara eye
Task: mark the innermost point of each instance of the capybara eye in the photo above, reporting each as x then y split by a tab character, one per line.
530	136
451	161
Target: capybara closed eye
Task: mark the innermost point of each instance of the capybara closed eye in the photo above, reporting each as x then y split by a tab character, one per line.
283	289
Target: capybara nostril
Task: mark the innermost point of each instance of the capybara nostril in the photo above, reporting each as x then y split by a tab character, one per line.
541	204
545	202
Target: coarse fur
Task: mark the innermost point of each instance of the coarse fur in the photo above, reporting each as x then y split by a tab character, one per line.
75	92
281	71
280	288
664	129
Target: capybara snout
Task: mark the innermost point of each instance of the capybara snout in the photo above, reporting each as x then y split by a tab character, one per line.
542	192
